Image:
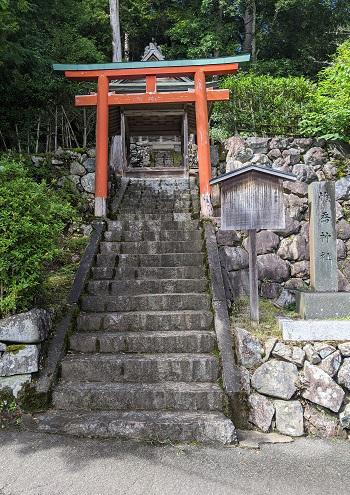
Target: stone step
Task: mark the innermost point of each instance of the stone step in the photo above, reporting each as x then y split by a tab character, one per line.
141	368
152	210
141	205
150	260
144	342
140	200
151	272
150	302
164	259
107	260
169	396
156	192
159	184
136	287
152	225
170	217
138	235
145	321
132	192
158	426
151	247
175	195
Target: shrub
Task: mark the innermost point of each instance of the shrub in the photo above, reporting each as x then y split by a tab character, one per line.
328	112
261	105
32	219
55	177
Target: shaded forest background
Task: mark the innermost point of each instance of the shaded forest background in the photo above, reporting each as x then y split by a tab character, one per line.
291	41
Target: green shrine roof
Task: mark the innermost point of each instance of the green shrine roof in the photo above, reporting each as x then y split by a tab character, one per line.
152	64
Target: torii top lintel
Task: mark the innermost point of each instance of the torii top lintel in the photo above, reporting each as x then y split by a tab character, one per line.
163	68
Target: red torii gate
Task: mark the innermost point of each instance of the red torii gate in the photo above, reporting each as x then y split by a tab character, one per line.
103	73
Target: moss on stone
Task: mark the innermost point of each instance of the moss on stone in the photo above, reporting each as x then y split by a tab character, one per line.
15	348
342	168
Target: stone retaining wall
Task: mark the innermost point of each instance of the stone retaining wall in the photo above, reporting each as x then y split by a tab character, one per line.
76	166
283	257
295	389
143	155
21	339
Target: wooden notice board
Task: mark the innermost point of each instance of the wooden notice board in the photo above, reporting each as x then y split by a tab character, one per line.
252	201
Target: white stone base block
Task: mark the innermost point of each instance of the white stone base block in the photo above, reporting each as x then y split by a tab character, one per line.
314	330
100	207
206	206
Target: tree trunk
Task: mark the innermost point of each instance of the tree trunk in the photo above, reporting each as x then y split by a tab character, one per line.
115	25
116	154
249	42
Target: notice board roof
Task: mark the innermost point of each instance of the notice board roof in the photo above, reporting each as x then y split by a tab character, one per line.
253	168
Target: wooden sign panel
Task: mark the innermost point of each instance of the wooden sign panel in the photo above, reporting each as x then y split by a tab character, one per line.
252	201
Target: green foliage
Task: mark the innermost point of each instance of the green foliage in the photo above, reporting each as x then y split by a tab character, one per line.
293	37
32	219
55	177
328	113
203	28
33	35
10	413
261	105
303	32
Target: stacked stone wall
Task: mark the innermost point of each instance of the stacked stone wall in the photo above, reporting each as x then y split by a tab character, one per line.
283	256
22	337
143	155
76	166
302	388
295	389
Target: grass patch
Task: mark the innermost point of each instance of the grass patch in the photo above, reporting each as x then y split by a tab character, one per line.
268	326
10	413
60	274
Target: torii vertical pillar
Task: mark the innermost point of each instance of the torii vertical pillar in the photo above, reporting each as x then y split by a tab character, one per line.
101	179
202	125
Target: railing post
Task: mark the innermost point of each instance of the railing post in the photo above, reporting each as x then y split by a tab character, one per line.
204	164
101	178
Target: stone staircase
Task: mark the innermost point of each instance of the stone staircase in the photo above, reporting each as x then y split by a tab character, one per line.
143	362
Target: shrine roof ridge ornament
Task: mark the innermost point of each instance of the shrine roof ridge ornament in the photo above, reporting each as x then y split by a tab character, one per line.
152	64
253	168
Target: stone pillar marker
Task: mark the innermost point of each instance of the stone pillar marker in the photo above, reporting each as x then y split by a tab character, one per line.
323	239
323	301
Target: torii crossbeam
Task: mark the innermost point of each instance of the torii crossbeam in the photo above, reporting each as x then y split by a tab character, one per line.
104	73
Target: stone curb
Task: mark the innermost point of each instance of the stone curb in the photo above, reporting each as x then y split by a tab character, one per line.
230	371
57	345
119	197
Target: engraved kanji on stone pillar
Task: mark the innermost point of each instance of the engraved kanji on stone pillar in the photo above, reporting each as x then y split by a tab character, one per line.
323	240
